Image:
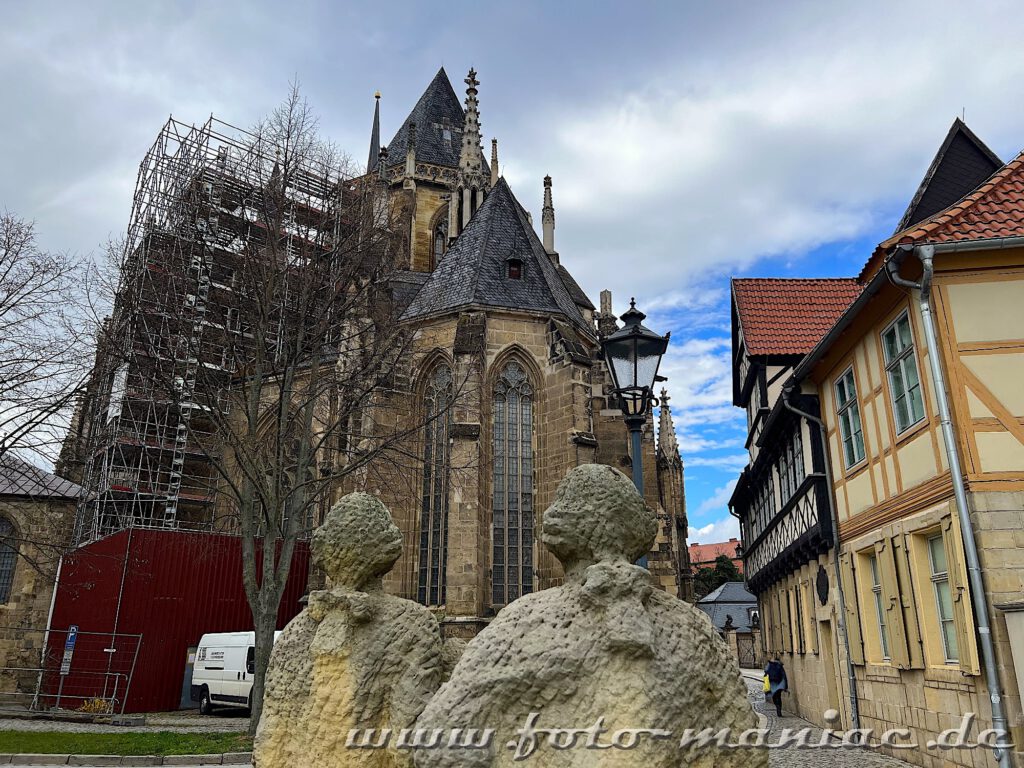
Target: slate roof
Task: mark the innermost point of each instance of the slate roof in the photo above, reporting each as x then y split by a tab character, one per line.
730	599
438	104
473	272
405	284
961	165
787	316
19	478
574	289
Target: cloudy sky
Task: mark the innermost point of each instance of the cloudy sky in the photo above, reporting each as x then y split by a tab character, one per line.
688	141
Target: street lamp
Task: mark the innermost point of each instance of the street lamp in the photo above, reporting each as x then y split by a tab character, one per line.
633	354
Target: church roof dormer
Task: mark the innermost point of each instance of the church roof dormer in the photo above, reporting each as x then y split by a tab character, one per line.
497	261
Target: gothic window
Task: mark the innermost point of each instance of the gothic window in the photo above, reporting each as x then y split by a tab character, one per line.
436	467
440	239
512	563
8	559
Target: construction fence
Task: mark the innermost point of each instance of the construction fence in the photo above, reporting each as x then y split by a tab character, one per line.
88	672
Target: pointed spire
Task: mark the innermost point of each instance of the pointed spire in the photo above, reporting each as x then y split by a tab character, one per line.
471	156
548	218
667	442
371	162
494	162
410	152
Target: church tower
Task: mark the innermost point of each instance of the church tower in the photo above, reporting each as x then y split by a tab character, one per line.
436	169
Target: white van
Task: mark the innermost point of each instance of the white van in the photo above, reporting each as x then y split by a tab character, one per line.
224	668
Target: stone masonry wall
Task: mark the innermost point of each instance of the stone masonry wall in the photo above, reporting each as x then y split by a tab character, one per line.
23	617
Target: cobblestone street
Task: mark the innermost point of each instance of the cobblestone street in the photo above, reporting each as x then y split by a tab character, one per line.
794	757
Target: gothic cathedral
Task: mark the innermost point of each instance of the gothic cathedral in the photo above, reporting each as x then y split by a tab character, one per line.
506	375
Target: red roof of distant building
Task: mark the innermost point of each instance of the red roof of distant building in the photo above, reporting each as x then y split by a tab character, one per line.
703	554
787	316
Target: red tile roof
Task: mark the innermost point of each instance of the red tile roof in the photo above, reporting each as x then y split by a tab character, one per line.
703	555
787	316
992	211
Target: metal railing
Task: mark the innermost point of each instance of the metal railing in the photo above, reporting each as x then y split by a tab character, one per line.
67	670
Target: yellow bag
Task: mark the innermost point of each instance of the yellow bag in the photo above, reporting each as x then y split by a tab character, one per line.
767	685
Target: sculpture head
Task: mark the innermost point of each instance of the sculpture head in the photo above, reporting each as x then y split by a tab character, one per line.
597	516
358	542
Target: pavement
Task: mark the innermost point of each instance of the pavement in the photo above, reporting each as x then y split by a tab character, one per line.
791	756
784	757
187	721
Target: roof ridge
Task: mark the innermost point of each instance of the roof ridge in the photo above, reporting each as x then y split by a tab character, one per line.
487	235
794	279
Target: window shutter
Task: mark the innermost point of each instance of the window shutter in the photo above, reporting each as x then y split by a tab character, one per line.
899	656
812	624
852	617
901	551
963	610
767	625
796	618
777	631
787	630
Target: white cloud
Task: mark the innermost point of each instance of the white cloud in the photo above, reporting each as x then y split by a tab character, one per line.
712	533
732	463
717	501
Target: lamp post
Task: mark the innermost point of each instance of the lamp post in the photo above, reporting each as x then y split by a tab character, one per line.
633	354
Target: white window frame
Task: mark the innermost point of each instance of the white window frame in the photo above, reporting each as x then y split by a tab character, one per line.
899	362
876	591
938	578
850	405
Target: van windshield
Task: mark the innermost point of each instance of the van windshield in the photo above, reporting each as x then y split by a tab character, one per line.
250	661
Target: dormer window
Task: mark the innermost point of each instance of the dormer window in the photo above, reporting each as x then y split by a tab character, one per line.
515	269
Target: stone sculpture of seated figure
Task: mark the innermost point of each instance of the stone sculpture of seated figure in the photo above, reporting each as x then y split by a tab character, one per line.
355	658
605	644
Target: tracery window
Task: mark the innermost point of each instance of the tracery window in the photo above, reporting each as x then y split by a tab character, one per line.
436	469
8	559
512	510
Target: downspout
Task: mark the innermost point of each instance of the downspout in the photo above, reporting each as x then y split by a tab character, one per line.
926	254
850	672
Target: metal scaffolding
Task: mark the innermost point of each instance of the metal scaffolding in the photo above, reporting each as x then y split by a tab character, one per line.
148	430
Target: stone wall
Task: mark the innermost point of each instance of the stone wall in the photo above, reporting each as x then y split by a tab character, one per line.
41	528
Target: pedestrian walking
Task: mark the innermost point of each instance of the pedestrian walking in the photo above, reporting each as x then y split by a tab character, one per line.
775	683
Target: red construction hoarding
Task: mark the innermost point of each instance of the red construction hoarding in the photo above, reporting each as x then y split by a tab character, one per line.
171	587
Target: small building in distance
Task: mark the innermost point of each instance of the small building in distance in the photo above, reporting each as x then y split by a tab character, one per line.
731	606
705	555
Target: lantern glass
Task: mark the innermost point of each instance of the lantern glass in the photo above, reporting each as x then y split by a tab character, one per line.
633	354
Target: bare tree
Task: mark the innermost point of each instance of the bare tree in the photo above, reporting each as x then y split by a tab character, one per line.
291	377
44	340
